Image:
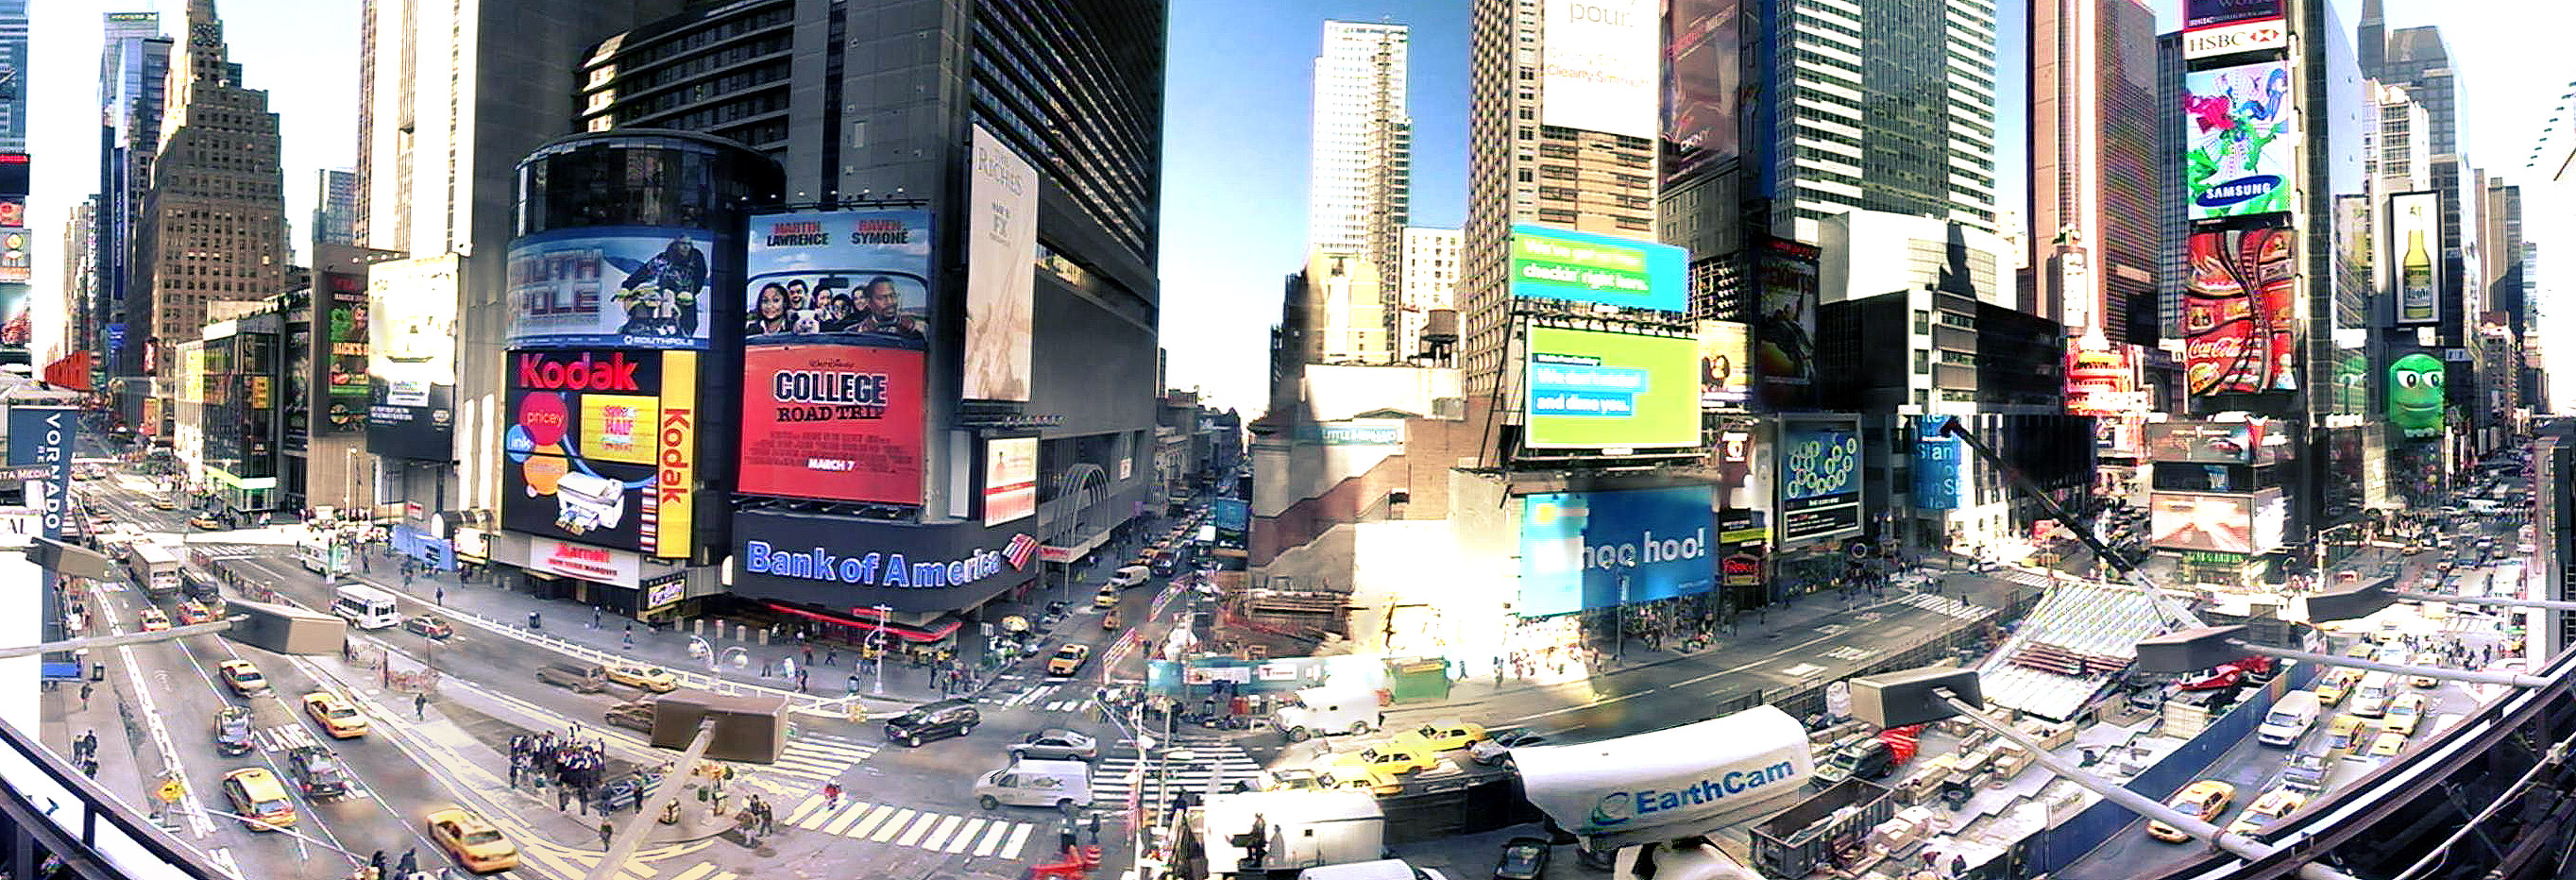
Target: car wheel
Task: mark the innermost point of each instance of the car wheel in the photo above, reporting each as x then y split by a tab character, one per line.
987	802
913	741
1359	728
968	730
1298	734
1064	805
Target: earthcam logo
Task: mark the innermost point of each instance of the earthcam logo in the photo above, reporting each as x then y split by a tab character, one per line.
1621	807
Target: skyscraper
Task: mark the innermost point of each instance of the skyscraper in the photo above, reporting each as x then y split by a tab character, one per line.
13	76
2092	179
214	226
1430	284
1356	198
335	206
2171	225
133	73
1887	105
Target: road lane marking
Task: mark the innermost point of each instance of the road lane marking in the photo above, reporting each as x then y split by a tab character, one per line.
893	826
1019	837
848	815
873	818
992	839
698	873
939	837
965	836
797	816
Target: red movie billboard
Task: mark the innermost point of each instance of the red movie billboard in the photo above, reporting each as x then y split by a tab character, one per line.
2240	313
832	423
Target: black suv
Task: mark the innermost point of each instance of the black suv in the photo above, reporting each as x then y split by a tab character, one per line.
930	721
317	772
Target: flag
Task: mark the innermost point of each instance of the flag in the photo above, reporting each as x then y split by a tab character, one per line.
1021	548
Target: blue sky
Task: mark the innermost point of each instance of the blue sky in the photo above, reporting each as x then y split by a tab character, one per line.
1234	172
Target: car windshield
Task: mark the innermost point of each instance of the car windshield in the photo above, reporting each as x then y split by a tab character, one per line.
1520	859
481	836
236	727
339	711
267	807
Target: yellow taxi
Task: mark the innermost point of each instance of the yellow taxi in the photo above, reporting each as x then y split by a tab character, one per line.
154	620
2427	658
2388	745
258	799
2332	686
1443	736
2270	807
1107	599
1392	759
2404	713
651	678
242	677
2203	800
337	717
192	612
1067	659
471	841
1330	778
2348	734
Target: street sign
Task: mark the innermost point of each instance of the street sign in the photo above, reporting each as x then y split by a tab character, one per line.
169	792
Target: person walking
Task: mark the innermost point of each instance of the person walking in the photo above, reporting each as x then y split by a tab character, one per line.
441	595
594	617
420	707
605	832
409	865
84	694
831	796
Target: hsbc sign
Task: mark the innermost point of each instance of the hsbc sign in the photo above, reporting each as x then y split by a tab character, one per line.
2230	39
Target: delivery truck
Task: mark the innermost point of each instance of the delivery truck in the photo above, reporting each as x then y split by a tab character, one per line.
1253	834
1329	712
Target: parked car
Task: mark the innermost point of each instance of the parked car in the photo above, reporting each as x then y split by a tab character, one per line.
429	626
232	731
1068	659
471	841
2204	800
1523	858
317	772
1056	744
929	721
337	717
637	715
243	678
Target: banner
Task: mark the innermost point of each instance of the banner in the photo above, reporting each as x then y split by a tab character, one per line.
1585	550
2213	13
610	286
602	445
1703	83
839	277
2103	381
2203	442
2240	313
1725	370
411	358
832	422
45	436
343	324
1001	267
1784	326
2414	245
1010	479
2238	126
1599	66
1583	267
1937	461
1819	479
2193	521
1589	389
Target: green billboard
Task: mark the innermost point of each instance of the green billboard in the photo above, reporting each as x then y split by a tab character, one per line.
1589	389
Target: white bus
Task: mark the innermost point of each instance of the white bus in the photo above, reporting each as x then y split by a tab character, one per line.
322	555
366	607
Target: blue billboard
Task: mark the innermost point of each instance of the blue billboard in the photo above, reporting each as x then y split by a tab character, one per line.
42	436
1936	467
1232	518
1583	550
1573	266
1819	479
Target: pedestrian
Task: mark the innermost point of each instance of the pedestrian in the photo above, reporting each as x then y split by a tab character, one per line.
831	656
627	641
406	580
594	617
605	831
409	865
809	655
376	864
441	594
831	795
518	762
768	818
854	684
764	668
420	707
89	742
85	691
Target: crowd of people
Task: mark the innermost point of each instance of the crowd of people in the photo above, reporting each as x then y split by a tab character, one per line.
575	768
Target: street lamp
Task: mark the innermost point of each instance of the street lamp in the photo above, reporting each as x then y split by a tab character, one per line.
1916	696
878	639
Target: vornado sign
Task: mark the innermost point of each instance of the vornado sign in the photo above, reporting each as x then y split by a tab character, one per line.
1671	783
2230	39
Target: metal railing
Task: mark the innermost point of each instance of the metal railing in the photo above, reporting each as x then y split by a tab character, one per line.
54	815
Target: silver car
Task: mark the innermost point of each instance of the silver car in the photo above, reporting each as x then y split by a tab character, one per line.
1055	744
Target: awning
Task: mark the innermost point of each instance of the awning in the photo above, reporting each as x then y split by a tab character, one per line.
939	630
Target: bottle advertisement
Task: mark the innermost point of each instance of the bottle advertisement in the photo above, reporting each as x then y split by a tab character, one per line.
2414	235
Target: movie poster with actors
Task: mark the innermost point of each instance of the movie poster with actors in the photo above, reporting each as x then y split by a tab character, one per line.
839	278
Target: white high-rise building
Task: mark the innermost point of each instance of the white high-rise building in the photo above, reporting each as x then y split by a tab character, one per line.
1887	105
1358	192
1429	282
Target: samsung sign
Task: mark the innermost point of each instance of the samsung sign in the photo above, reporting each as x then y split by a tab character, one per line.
2230	39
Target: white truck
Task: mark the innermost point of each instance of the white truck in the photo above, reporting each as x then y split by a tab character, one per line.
2289	719
1329	711
1254	833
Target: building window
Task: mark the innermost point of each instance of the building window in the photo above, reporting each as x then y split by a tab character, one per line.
1922	362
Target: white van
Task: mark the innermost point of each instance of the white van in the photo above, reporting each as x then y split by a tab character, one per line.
1130	576
2370	700
1327	711
366	607
1383	869
2289	719
1027	783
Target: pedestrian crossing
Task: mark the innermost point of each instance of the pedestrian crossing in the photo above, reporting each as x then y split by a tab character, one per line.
1215	764
816	758
1055	697
1945	605
927	830
1850	652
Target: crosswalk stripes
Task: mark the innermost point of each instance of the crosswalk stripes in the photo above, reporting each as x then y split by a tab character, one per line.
1025	697
818	758
978	836
1216	763
282	737
1064	705
705	871
1849	652
1945	605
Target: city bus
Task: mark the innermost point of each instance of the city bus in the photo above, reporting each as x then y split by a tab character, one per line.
366	607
